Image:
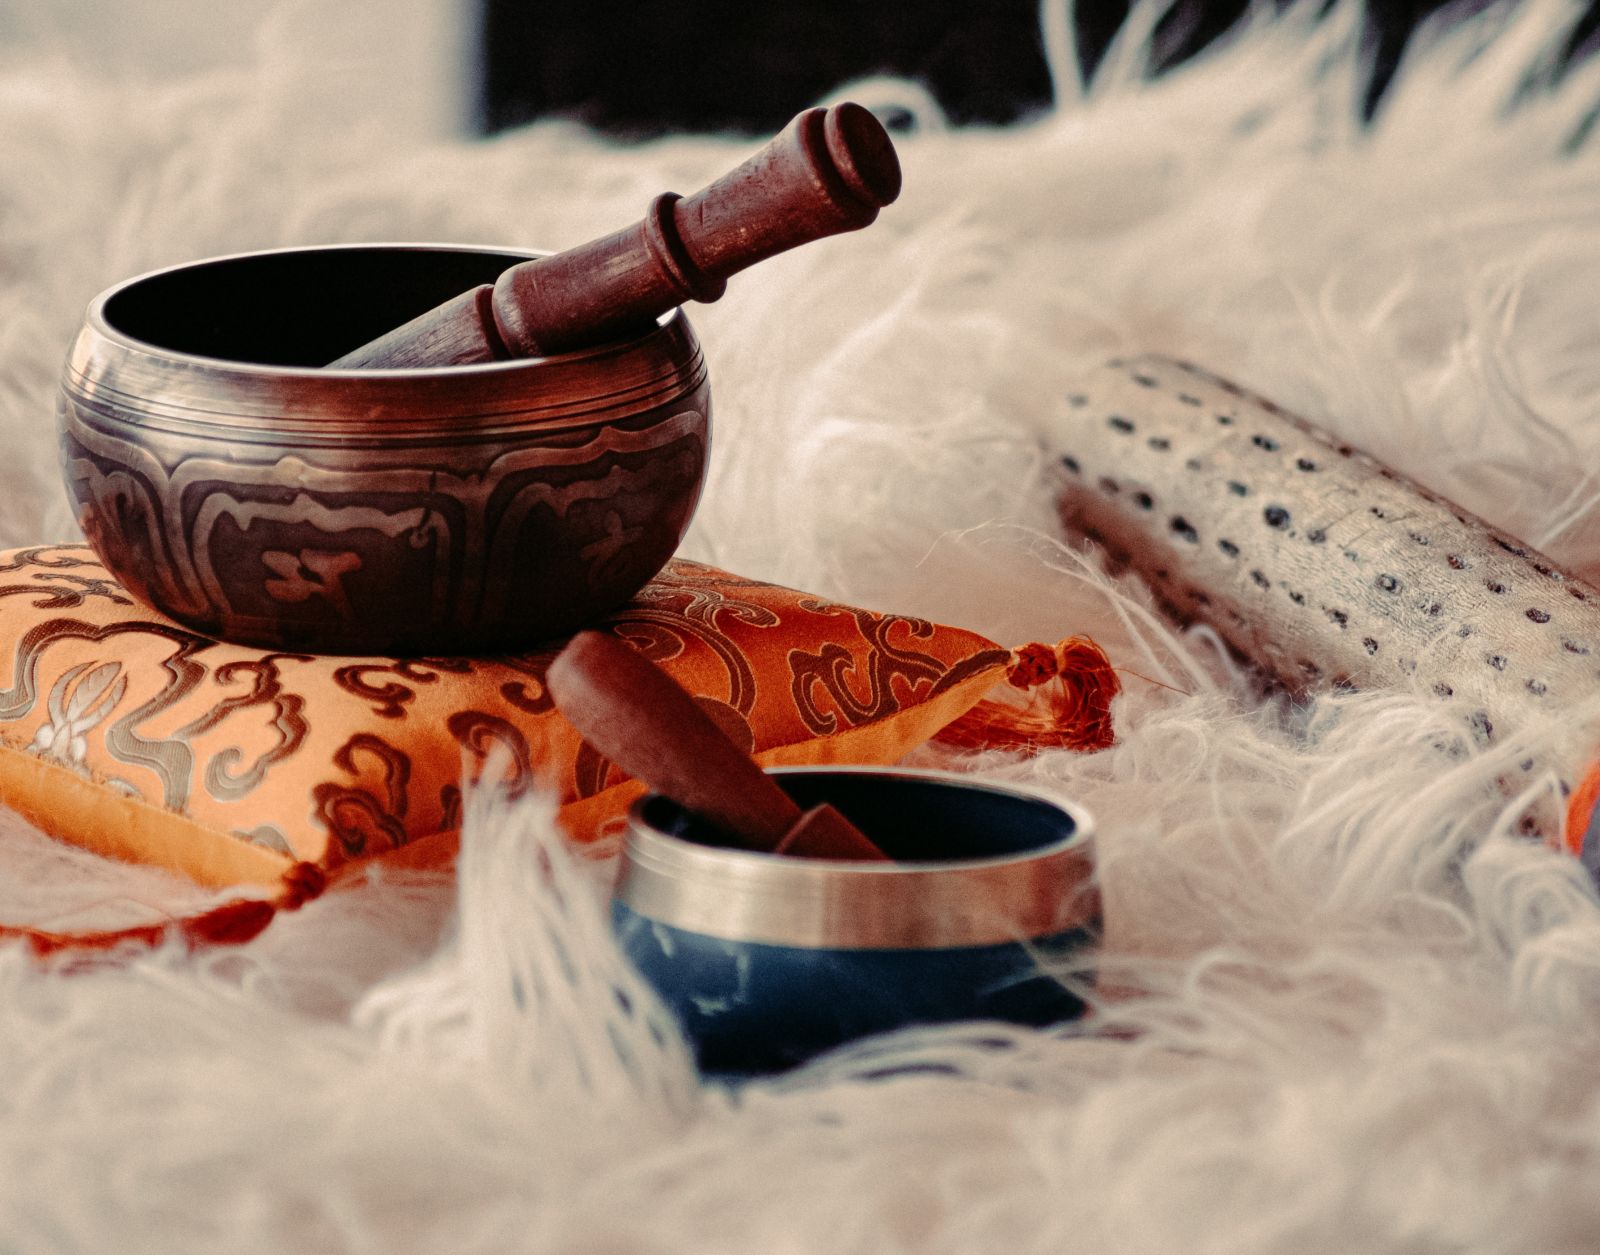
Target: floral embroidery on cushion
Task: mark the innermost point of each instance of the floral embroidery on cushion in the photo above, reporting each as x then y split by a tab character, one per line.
333	758
78	701
361	822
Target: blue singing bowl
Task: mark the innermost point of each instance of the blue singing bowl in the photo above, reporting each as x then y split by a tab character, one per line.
768	961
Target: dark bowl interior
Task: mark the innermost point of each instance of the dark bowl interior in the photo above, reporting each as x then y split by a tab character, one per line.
297	308
912	820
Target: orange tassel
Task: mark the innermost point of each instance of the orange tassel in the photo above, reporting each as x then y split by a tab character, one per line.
231	924
1580	811
1071	686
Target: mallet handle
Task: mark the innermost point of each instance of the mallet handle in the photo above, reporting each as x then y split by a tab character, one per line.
829	171
640	718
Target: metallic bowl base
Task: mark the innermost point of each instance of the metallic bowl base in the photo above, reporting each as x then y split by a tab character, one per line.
768	961
235	486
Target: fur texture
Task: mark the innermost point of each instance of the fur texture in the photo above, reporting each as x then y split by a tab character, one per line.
1368	1016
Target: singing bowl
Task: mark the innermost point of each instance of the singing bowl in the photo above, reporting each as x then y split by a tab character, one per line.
767	960
236	486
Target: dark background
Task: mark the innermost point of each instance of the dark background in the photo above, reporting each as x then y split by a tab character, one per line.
640	68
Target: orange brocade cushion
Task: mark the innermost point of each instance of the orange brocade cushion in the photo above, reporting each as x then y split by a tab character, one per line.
125	733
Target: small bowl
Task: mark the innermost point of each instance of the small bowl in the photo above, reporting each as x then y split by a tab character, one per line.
768	960
235	486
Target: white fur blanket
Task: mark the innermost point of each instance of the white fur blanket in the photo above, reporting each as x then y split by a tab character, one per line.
1370	1017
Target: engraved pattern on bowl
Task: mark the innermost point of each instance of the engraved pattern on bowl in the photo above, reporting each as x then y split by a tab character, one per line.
238	488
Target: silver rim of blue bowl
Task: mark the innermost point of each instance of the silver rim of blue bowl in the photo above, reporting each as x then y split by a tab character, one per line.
737	895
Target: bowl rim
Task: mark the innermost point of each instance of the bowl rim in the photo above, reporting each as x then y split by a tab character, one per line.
1082	825
161	384
96	314
749	896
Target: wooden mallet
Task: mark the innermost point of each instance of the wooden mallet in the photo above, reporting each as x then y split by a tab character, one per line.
829	171
640	718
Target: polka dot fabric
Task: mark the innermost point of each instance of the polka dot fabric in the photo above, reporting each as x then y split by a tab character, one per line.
1317	562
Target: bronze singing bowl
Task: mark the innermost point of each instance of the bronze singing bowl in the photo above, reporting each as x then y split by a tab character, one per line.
234	485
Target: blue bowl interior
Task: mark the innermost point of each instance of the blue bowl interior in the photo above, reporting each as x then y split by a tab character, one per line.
912	820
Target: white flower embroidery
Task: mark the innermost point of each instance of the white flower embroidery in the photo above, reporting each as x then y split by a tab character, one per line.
80	699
